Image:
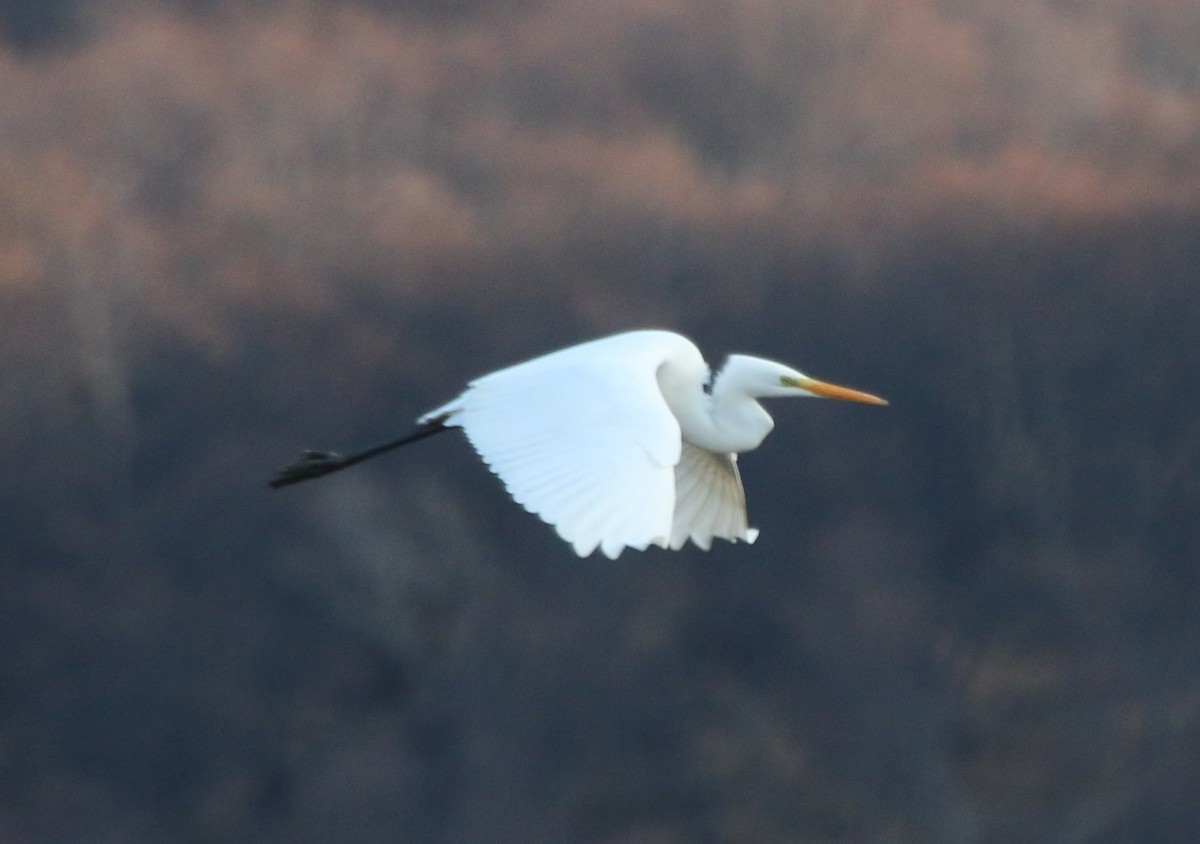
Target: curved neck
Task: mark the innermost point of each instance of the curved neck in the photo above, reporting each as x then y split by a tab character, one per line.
727	421
741	423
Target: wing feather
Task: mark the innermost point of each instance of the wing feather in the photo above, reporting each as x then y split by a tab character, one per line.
583	440
709	500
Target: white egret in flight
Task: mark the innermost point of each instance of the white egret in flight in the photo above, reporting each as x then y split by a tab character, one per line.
625	441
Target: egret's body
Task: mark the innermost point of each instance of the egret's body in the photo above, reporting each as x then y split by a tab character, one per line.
626	441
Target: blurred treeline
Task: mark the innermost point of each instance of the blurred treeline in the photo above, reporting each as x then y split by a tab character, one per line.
230	230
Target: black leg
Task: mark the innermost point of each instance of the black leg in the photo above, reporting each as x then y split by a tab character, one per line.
315	464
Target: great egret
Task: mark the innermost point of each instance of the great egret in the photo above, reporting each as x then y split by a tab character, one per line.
625	441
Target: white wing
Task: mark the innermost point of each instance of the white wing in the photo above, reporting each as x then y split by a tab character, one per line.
583	438
709	499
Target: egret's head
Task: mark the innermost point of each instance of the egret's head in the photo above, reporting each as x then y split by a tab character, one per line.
768	379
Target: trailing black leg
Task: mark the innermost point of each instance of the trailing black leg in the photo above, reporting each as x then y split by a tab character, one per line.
315	464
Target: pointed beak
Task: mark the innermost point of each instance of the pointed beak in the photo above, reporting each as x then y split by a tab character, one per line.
833	391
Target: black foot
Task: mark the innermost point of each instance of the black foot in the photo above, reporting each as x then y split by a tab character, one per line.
314	464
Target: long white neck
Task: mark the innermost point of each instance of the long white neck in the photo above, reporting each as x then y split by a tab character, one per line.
727	420
739	420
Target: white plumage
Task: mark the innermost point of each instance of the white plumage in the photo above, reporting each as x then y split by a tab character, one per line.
620	442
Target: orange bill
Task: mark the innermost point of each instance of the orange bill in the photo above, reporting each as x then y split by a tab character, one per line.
833	391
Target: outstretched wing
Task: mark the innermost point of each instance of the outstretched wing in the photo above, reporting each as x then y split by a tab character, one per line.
584	439
709	499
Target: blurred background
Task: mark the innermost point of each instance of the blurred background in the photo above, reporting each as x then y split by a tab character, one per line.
229	231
